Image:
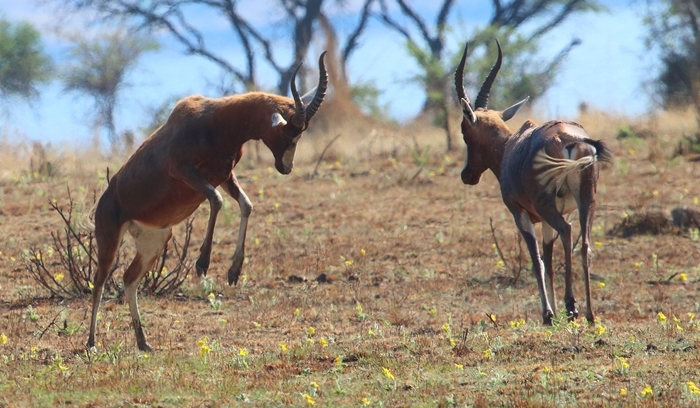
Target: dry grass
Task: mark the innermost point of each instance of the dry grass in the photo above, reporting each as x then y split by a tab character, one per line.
412	272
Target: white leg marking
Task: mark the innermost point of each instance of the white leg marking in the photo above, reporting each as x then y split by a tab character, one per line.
548	233
149	244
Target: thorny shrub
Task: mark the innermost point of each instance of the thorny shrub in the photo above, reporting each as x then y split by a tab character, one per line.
66	267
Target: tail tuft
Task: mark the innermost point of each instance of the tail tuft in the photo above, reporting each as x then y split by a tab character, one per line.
603	152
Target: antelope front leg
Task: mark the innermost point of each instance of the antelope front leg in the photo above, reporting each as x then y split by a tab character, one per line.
527	230
234	190
198	183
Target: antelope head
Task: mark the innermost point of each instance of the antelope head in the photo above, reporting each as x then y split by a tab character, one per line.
282	140
484	131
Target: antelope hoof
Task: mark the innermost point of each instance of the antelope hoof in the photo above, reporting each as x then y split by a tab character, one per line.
572	315
590	318
547	317
202	266
90	347
571	311
144	346
233	273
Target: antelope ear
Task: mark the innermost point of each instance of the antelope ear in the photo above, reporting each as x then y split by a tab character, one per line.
467	112
510	112
278	120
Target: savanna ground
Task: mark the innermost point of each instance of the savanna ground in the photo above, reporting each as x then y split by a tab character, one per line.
412	275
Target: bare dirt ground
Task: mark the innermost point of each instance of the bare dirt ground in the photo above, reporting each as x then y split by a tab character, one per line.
412	274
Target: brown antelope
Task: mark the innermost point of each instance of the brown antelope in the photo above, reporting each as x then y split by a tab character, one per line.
544	173
179	166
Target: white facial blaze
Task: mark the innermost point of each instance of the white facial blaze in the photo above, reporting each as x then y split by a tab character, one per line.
278	120
466	158
288	156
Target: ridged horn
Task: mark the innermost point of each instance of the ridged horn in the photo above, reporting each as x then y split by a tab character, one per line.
299	117
320	89
483	97
459	76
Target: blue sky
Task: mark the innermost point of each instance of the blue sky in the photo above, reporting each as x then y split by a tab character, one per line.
608	70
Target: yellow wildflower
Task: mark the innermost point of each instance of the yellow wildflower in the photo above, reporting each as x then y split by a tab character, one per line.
310	331
692	388
601	284
622	362
647	392
387	373
500	264
599	330
516	323
370	332
661	317
243	352
365	401
283	347
362	252
487	353
309	399
623	391
211	296
3	339
683	277
323	342
459	366
452	342
314	384
297	311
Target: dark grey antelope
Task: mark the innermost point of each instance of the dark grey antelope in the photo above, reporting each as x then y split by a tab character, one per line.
545	172
179	167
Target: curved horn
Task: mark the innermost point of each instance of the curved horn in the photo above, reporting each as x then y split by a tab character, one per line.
483	96
459	76
299	117
320	89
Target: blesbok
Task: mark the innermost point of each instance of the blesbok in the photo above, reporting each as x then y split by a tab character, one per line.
179	166
544	171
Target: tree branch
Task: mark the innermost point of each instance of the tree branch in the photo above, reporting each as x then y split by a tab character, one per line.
352	42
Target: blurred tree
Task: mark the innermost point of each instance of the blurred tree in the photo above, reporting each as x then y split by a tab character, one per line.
523	72
674	30
98	69
23	63
182	20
